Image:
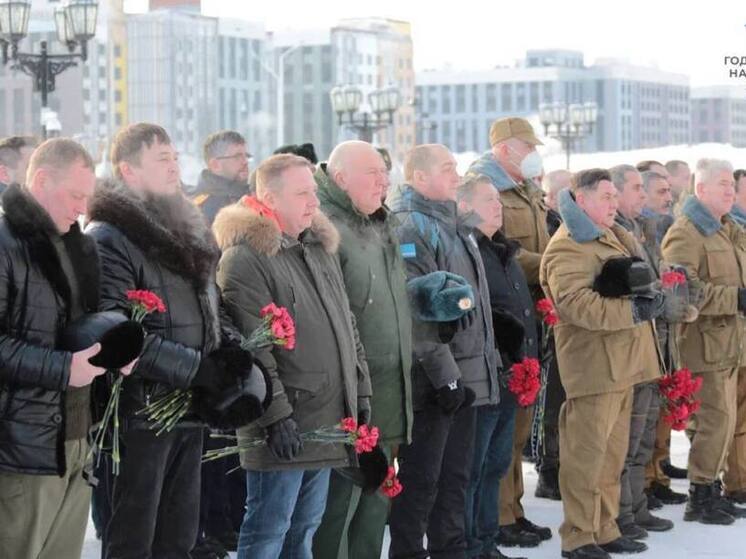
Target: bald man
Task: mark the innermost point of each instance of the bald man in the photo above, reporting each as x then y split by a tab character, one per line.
351	187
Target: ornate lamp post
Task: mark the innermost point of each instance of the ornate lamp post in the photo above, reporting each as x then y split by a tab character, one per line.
568	122
346	101
75	23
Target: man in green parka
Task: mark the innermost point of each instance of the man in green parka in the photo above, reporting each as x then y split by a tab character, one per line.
350	192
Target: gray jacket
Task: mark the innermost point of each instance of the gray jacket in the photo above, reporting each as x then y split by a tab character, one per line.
432	237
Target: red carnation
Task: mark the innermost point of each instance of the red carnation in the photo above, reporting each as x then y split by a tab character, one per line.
545	307
525	381
366	439
391	486
672	279
349	425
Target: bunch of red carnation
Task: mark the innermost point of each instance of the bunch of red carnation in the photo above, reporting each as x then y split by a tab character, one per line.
280	324
678	390
362	437
525	381
671	279
545	307
144	302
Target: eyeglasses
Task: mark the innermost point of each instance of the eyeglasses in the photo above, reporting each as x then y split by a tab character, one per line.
236	156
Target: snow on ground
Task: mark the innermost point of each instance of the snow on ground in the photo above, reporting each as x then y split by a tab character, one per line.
686	541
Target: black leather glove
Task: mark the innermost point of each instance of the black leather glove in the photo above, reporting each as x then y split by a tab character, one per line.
283	439
363	410
446	330
742	300
647	308
509	334
453	396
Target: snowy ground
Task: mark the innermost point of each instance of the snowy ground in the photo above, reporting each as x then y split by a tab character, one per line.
685	541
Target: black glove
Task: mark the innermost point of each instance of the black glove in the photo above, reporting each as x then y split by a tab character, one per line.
645	308
453	396
283	439
222	367
742	300
446	330
509	334
624	276
363	410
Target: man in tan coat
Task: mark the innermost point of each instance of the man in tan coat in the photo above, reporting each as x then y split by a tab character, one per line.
605	346
712	247
512	165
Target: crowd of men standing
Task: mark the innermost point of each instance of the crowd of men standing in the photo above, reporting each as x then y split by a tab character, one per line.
369	272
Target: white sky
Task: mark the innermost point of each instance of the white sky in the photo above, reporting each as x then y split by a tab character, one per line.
690	38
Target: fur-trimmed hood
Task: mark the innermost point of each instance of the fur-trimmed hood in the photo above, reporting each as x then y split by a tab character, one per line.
487	165
237	223
580	226
191	252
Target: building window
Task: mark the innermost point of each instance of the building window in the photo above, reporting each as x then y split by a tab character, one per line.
460	98
506	102
491	95
445	93
534	96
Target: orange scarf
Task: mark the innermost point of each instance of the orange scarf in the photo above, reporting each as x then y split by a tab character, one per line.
254	204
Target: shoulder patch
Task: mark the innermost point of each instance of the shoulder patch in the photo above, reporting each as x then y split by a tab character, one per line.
200	199
408	250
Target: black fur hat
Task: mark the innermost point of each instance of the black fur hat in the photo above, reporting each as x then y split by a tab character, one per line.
121	339
623	276
371	472
304	150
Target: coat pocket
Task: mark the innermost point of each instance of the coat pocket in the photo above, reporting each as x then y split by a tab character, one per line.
718	340
622	350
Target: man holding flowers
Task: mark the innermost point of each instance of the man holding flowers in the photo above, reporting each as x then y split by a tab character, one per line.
279	248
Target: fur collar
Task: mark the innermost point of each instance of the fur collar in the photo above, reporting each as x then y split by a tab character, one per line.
193	255
237	224
580	226
33	226
488	166
739	215
700	217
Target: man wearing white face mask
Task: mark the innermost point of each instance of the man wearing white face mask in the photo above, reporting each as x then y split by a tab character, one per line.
512	164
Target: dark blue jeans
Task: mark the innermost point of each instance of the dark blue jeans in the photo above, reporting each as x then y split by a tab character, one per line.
493	447
283	511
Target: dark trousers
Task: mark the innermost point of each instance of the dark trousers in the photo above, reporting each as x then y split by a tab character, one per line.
223	494
155	505
548	459
435	471
493	450
633	503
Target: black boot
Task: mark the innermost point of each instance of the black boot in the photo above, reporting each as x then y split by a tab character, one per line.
633	531
624	545
665	494
737	497
654	503
495	553
541	531
701	507
724	504
548	486
672	471
512	535
590	551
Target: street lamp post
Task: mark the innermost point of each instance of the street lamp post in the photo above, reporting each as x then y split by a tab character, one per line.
346	101
75	23
568	122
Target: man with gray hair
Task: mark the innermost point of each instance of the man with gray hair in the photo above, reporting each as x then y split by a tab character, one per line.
226	177
712	248
634	518
553	183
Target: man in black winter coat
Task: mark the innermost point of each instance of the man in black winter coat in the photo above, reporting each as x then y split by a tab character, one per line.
150	237
226	177
48	278
516	336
